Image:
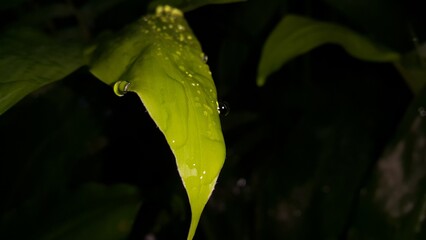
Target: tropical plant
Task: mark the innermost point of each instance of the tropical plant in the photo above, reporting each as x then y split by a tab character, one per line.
325	138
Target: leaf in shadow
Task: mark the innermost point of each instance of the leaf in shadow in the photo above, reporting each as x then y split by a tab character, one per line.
29	60
297	35
412	67
92	212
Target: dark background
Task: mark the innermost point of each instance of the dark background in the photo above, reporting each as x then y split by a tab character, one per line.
314	154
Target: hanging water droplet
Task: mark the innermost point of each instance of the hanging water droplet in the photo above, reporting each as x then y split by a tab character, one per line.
204	57
121	88
223	108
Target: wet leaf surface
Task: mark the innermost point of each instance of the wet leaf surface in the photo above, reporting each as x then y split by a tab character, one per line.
160	59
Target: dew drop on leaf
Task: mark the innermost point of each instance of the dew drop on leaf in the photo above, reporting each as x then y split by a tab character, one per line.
121	88
204	57
223	108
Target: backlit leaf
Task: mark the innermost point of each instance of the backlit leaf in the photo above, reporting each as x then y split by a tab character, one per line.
160	59
296	35
188	5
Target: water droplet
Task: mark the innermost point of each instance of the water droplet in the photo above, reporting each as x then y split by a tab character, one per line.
223	108
159	10
204	57
121	88
167	8
176	12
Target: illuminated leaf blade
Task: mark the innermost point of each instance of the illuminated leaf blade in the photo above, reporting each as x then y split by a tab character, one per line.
188	5
162	61
297	35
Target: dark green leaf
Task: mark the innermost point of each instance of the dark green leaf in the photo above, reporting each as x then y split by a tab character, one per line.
29	60
297	35
412	67
93	212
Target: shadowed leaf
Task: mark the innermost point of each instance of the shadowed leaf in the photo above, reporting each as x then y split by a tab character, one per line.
92	212
29	60
296	35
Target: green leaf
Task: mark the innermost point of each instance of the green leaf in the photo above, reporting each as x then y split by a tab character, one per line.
188	5
93	212
160	59
297	35
29	60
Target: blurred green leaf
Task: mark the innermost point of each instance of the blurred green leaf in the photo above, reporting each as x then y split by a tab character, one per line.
188	5
297	35
93	212
29	60
161	60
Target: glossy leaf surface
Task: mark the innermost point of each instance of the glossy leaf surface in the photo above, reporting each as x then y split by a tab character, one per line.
29	60
188	5
160	59
297	35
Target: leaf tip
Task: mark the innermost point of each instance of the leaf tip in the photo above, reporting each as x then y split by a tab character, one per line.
260	82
